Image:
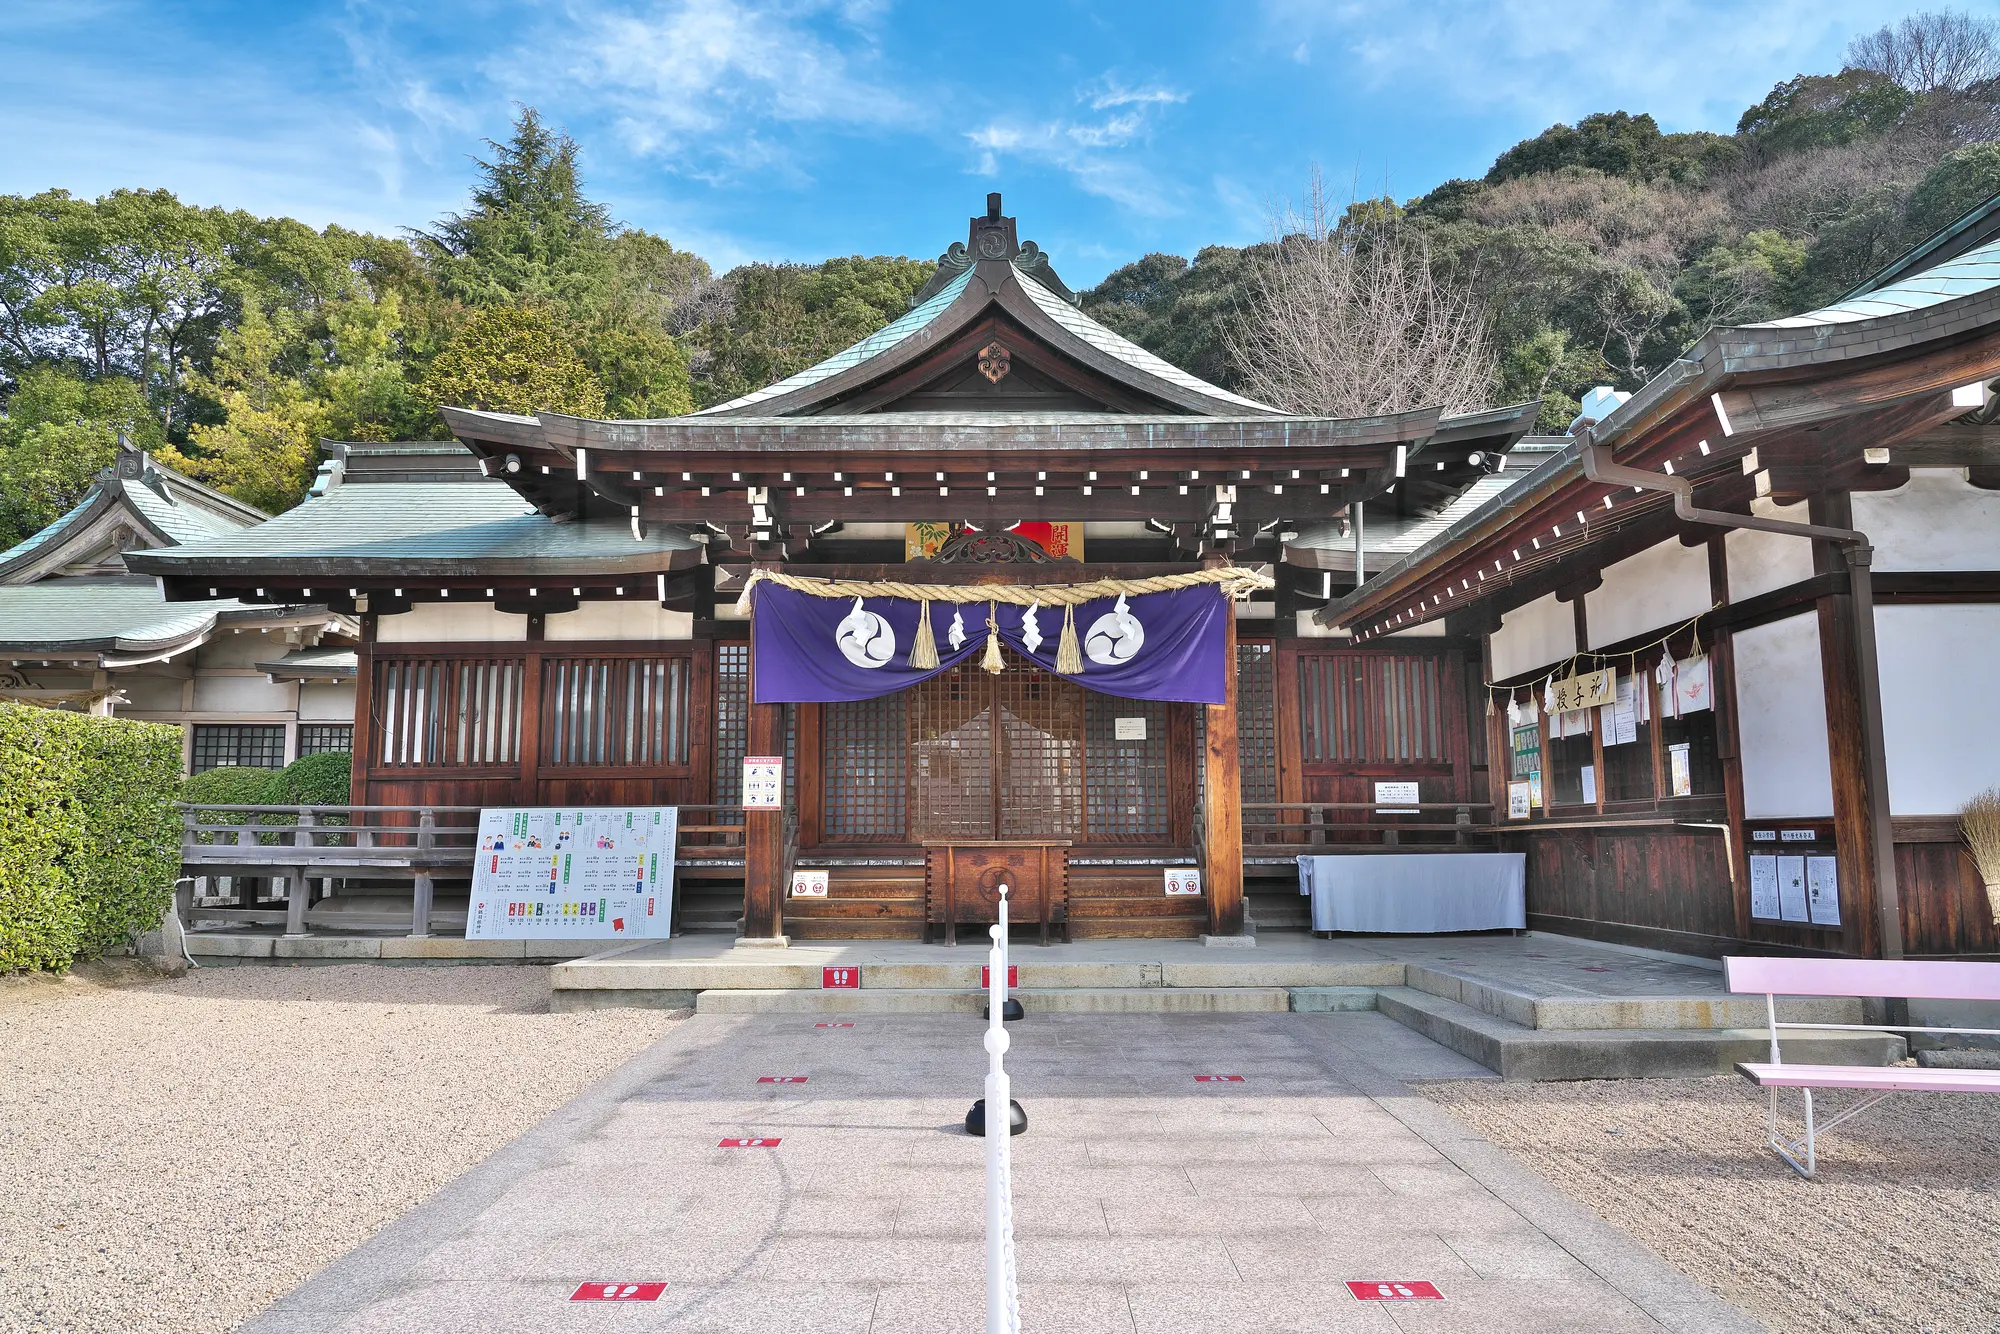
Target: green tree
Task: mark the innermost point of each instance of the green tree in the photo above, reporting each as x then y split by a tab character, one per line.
1963	180
514	359
1823	111
779	319
264	450
58	431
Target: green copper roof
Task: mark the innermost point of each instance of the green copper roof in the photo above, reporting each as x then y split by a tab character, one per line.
102	613
1975	271
873	345
35	541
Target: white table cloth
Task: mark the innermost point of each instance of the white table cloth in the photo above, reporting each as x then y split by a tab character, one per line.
1417	892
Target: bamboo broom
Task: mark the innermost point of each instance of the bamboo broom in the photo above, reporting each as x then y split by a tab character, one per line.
1979	825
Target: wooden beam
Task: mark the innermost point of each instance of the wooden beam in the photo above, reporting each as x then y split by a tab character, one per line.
1776	406
763	830
1222	806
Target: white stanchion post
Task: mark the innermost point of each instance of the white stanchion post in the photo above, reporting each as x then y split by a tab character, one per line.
1003	1306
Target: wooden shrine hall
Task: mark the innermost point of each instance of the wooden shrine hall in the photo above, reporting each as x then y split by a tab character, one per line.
1090	544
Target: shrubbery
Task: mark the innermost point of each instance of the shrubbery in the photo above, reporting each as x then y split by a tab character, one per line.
90	840
311	780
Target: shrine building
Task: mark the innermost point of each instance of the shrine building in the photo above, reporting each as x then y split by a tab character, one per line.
997	588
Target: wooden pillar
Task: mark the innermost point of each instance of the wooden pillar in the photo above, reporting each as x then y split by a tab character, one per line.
362	747
1222	809
763	830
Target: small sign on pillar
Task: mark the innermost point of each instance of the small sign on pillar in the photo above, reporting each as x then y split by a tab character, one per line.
763	782
1183	880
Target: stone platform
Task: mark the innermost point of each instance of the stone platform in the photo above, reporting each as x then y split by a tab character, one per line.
1529	1007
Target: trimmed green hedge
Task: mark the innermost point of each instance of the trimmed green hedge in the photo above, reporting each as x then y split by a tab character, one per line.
89	837
312	780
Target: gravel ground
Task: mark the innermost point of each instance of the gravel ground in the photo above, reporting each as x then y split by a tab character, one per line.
177	1154
1900	1231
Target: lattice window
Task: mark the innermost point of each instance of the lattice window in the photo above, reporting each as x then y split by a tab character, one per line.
864	760
218	746
964	785
732	720
1371	707
627	712
951	756
1125	785
1256	722
1041	757
433	712
325	738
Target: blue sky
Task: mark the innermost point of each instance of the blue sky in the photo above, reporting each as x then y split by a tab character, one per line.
801	130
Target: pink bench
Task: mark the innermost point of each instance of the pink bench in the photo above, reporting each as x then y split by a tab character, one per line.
1910	979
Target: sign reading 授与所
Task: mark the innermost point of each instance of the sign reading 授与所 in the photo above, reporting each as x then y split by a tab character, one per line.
573	873
1586	690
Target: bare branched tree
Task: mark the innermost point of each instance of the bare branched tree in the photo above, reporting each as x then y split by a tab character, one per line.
1931	52
1347	318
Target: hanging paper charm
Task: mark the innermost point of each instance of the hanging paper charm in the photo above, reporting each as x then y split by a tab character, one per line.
1031	632
956	635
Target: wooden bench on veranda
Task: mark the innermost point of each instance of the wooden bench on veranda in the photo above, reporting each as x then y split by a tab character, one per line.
1909	979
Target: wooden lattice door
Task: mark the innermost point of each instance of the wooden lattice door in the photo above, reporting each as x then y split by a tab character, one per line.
996	756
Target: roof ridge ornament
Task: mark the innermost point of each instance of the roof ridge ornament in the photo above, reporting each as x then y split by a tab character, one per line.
991	237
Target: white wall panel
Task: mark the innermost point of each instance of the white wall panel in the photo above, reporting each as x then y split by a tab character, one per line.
620	620
1760	562
1781	718
1940	718
1935	521
1535	635
452	623
1661	586
243	694
326	702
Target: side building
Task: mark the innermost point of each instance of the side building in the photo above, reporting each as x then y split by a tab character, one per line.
251	683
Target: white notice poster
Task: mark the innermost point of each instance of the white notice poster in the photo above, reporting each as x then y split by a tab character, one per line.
1396	794
763	782
1128	729
1764	887
809	884
1792	889
1619	720
1823	890
1183	880
1680	769
1590	785
1517	800
577	873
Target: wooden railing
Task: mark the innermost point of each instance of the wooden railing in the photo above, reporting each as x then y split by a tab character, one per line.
300	844
1308	827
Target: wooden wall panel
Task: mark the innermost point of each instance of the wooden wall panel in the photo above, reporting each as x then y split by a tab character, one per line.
1667	886
1944	903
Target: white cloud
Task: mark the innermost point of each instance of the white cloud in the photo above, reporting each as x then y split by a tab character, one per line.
1087	148
1691	63
673	72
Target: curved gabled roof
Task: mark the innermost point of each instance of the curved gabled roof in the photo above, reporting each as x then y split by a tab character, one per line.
1975	271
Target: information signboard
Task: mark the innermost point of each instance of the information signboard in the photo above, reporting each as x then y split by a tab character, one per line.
573	873
763	782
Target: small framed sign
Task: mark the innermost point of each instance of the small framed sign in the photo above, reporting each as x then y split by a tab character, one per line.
1128	729
1183	880
1517	800
1396	794
763	782
809	884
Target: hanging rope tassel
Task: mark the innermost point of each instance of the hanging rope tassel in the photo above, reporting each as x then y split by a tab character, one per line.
993	662
923	653
1069	655
743	603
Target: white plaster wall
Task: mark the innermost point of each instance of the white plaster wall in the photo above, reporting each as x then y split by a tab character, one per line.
243	694
451	623
1941	726
620	620
1428	630
1659	587
1781	718
1535	635
1935	521
1760	562
146	693
326	703
232	647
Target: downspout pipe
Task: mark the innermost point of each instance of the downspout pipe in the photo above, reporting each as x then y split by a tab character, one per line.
1859	556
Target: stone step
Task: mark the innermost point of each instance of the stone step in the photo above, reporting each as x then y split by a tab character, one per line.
1050	1000
1517	1052
1536	1009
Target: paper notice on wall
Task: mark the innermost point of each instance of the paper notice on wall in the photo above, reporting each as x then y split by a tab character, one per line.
1517	800
1589	773
1764	887
763	782
573	874
1183	881
1823	890
1792	889
1680	769
810	884
1620	718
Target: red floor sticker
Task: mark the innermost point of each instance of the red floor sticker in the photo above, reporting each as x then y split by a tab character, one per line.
840	979
1218	1079
618	1292
833	1025
1405	1290
986	977
770	1143
781	1079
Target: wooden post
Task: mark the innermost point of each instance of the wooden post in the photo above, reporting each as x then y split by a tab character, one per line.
1222	805
421	888
298	895
763	830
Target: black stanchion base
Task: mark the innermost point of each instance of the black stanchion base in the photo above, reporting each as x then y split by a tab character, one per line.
975	1120
1010	1010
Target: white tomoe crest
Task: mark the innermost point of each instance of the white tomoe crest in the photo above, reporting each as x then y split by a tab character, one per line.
1114	637
956	635
1031	633
864	638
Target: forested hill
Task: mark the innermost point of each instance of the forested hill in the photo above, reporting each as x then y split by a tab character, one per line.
230	344
1601	250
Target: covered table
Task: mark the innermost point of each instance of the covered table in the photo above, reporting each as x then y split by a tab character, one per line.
1417	892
